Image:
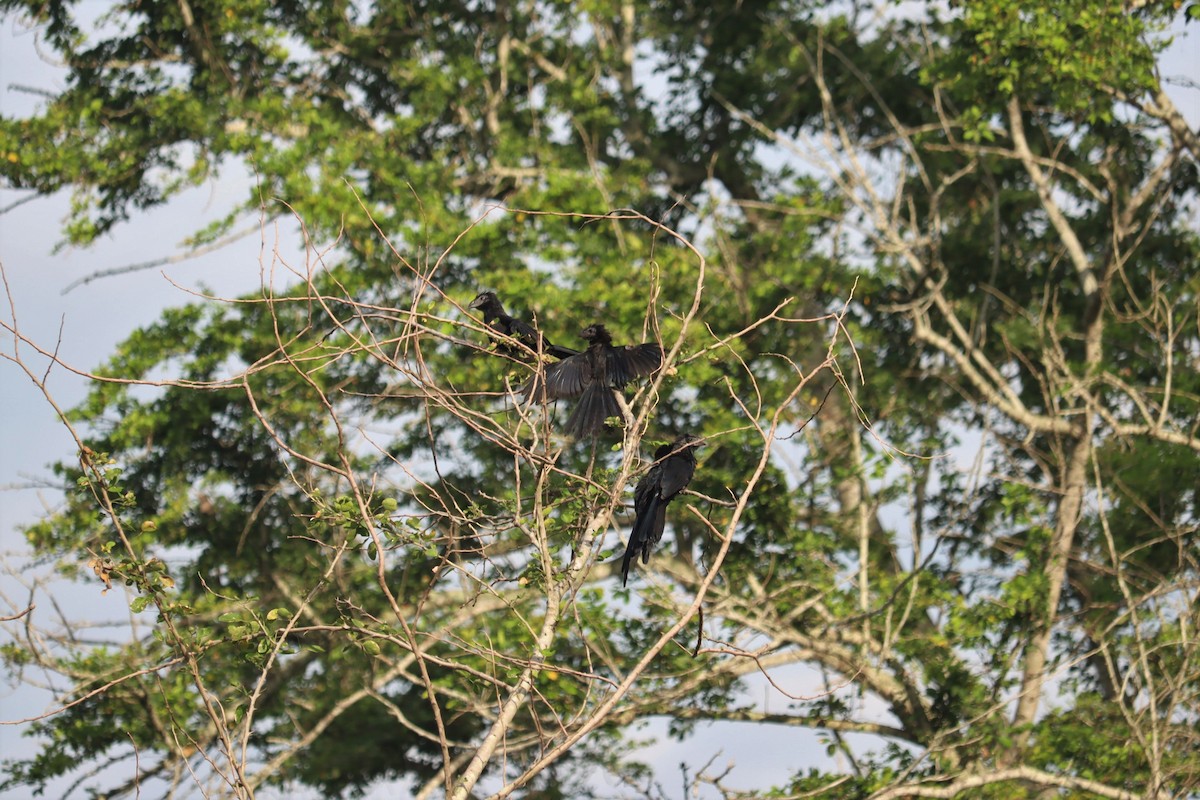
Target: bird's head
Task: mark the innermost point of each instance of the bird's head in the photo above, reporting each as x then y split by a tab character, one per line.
484	299
683	444
685	441
596	333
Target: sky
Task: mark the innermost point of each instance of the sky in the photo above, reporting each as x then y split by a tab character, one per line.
85	323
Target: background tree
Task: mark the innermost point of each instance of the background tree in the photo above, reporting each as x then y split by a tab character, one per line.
866	239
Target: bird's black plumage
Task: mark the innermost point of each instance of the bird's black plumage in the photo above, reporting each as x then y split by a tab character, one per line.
496	318
674	465
594	376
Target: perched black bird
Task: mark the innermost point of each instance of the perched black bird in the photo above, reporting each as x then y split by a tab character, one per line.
594	376
674	465
495	317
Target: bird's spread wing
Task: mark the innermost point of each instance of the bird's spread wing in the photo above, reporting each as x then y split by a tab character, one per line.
633	361
567	378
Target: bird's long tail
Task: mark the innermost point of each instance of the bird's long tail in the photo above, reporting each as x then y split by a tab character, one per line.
597	403
647	530
630	553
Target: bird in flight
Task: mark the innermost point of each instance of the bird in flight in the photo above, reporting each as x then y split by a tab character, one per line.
674	465
496	318
594	376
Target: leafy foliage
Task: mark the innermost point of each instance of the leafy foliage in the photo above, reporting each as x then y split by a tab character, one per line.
871	242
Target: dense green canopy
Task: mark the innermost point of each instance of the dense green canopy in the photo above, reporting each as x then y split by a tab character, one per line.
927	279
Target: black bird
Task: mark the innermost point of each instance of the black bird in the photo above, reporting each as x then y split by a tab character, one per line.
495	317
594	376
674	465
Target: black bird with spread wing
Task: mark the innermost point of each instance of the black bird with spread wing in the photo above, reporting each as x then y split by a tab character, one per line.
496	318
594	376
674	465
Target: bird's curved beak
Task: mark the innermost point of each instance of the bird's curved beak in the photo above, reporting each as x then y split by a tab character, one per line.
476	303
